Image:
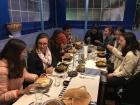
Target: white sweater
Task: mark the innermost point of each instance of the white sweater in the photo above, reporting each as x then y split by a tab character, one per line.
129	66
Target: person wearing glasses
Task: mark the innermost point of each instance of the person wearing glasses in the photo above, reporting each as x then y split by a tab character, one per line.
40	59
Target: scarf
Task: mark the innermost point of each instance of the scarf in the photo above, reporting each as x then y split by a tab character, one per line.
46	59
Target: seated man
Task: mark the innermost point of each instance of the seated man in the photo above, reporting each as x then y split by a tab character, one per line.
92	35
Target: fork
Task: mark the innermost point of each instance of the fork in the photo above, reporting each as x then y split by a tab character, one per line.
86	77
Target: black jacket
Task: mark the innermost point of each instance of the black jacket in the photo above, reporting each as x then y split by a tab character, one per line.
55	51
34	63
93	36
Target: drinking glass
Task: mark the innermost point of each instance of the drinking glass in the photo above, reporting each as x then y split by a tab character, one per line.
56	81
38	98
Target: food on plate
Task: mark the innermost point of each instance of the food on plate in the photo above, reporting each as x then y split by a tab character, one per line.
80	68
78	45
72	50
43	81
76	96
53	102
62	67
101	54
100	48
67	58
101	64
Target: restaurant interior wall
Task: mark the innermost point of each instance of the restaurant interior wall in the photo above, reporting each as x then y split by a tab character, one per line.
58	18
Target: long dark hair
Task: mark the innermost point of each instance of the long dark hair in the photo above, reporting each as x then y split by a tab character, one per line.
120	29
40	36
11	52
131	43
55	34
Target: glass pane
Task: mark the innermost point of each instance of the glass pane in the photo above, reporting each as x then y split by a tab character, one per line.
115	3
16	16
96	14
97	3
73	3
81	3
34	16
106	15
33	6
9	4
90	14
81	14
23	5
105	3
106	10
36	7
24	16
72	14
10	13
15	5
67	3
90	3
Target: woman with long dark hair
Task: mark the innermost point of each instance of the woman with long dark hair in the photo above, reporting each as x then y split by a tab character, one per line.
12	70
131	61
116	57
57	43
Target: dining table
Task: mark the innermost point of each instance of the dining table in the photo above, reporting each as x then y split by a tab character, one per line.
90	79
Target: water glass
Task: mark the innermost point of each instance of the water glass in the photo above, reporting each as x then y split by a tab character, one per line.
56	81
38	98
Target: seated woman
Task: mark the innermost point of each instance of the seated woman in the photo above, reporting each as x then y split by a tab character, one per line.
116	57
131	61
92	35
57	44
40	59
12	71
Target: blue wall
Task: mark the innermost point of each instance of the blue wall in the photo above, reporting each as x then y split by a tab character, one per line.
61	19
4	18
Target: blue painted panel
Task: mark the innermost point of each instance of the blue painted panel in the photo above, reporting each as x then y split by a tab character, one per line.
4	18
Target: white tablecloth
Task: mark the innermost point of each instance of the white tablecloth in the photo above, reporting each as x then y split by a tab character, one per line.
91	83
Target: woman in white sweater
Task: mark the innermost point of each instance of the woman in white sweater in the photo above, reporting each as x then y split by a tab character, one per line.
116	57
131	61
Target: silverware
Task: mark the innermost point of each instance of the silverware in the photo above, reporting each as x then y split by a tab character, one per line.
31	103
84	77
46	95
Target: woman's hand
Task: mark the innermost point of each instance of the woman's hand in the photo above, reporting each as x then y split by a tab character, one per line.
26	90
97	41
66	55
110	47
49	70
110	75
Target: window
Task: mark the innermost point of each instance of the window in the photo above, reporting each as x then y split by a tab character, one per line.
27	10
98	10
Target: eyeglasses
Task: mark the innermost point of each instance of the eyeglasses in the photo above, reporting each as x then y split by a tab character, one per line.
43	44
